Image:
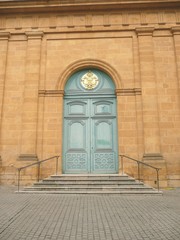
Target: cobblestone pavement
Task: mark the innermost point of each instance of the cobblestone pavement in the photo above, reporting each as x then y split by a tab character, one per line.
89	217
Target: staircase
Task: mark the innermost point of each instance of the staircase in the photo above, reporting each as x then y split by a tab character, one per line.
90	184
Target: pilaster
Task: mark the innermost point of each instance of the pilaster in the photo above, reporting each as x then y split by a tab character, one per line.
138	97
176	37
4	38
30	104
152	149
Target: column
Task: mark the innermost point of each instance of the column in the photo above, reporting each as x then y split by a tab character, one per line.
174	169
176	37
30	104
138	97
151	130
4	37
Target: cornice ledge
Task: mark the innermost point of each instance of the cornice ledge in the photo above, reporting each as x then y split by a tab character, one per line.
152	156
175	30
144	31
128	92
4	35
51	93
34	34
27	157
47	6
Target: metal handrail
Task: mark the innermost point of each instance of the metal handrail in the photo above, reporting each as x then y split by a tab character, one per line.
139	162
36	163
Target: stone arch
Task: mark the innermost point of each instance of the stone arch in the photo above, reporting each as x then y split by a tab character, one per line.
81	64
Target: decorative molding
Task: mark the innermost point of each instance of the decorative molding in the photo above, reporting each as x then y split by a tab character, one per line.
145	31
53	22
161	18
152	156
51	93
128	92
106	21
178	17
2	23
143	19
34	35
175	30
35	22
27	157
125	19
48	6
18	23
67	22
4	35
70	23
88	62
162	33
88	20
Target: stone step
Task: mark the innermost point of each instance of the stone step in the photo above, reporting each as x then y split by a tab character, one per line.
152	192
94	184
89	175
89	178
82	179
79	188
90	184
84	182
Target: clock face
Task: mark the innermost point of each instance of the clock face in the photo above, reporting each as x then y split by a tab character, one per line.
89	80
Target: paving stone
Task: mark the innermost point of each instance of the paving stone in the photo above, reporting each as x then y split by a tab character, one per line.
89	217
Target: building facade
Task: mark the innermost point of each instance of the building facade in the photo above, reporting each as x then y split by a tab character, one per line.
88	81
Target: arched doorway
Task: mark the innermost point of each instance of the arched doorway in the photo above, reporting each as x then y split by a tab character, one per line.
90	127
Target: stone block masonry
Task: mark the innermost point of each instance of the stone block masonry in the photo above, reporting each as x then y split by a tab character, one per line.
139	48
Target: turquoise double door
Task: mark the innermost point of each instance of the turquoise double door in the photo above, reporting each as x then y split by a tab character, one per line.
90	135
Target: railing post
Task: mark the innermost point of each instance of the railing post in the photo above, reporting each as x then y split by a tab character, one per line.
57	157
19	178
139	162
157	170
122	164
138	171
38	171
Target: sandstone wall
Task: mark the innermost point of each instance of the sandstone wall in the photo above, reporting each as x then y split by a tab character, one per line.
141	52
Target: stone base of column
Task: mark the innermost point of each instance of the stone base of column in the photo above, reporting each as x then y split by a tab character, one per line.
0	168
155	160
28	157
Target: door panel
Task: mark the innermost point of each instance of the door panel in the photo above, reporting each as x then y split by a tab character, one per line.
90	144
104	154
103	135
104	150
76	156
103	107
75	108
77	133
76	146
104	163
